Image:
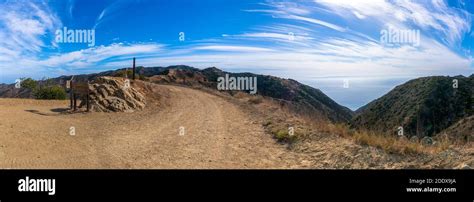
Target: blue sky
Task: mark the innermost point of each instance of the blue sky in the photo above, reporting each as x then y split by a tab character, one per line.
321	43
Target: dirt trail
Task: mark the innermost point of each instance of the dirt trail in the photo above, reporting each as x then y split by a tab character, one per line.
217	134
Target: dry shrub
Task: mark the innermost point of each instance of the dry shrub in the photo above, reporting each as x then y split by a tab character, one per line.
396	145
240	95
256	99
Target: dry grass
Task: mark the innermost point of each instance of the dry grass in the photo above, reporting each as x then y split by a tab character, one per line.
255	99
308	127
390	144
240	95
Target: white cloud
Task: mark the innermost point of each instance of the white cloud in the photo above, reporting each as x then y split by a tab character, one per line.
316	21
289	39
295	11
94	59
232	48
23	27
111	11
450	22
346	52
93	56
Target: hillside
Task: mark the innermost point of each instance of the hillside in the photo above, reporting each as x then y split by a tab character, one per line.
9	90
462	131
423	106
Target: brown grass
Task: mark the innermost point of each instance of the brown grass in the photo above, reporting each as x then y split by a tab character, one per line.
256	99
308	127
240	95
390	144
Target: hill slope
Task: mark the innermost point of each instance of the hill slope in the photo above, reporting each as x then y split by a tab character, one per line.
423	106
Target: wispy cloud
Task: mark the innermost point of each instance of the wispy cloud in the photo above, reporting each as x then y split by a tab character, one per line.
24	26
232	48
452	23
87	60
111	11
316	21
91	57
71	4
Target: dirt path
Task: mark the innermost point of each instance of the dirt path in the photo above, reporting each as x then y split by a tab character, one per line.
217	134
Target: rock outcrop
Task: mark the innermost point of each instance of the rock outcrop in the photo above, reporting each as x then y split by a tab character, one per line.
111	94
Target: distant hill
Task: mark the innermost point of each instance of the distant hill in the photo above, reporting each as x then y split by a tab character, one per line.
423	106
9	90
306	99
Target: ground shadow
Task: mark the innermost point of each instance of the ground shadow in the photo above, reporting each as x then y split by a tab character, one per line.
59	111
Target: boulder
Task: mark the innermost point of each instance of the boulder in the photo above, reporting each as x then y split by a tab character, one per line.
427	140
463	166
414	138
111	94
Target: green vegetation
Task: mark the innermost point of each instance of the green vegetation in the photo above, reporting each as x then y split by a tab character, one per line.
53	92
124	73
423	107
44	89
28	83
129	74
282	135
142	77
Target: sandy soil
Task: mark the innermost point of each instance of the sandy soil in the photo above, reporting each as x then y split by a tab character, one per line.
217	134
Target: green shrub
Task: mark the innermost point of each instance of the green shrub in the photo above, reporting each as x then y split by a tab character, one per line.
123	73
28	83
54	92
282	135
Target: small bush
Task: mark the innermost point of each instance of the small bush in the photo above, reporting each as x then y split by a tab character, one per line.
142	77
28	83
282	135
123	73
54	92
